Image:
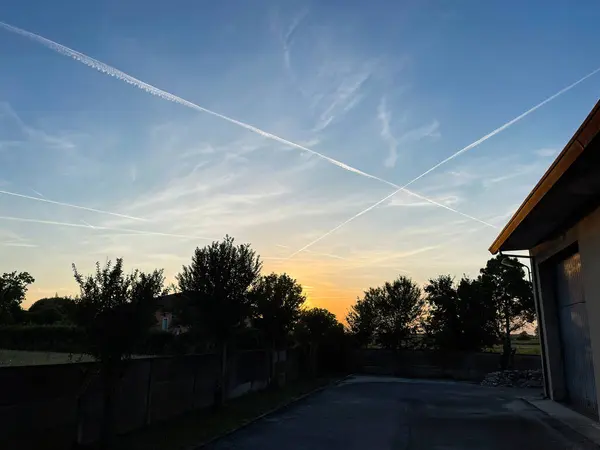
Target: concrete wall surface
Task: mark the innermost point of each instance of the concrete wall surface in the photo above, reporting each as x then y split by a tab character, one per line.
584	237
69	397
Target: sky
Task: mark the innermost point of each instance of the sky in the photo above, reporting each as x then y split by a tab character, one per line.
275	122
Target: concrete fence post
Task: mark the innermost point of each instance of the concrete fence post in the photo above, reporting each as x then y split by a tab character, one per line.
149	393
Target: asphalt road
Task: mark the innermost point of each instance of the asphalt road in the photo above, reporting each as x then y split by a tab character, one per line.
379	413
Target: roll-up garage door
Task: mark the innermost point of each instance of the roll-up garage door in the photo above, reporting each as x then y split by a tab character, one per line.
575	336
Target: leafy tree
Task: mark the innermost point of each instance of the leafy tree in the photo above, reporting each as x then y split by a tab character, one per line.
13	287
320	333
400	305
276	301
390	315
216	286
362	320
115	311
458	317
511	295
50	310
317	325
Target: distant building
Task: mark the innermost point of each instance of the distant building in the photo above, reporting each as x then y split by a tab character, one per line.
165	308
559	224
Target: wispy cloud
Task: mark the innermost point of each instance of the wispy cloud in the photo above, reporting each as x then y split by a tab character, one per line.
344	97
547	152
35	134
385	118
287	39
445	199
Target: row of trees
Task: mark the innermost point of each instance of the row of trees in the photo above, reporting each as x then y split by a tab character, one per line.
472	314
222	294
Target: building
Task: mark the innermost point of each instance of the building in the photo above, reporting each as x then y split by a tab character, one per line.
559	224
165	307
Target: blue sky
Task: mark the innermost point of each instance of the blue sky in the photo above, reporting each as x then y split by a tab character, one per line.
389	88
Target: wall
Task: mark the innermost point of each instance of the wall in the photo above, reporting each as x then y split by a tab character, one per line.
466	366
586	235
67	398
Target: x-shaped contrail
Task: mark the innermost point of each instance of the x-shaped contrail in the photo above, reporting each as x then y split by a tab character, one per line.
109	70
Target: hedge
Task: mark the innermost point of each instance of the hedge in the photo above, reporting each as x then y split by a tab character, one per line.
69	339
47	338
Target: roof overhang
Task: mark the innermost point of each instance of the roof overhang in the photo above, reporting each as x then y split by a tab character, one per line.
569	189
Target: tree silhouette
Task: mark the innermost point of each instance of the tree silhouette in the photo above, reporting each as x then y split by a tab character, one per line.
362	320
319	332
511	295
389	315
317	325
276	302
115	311
50	310
458	317
13	287
216	288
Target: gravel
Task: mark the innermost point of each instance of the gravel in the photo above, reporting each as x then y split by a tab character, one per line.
514	378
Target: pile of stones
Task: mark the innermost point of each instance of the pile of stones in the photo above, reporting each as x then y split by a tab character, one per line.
514	378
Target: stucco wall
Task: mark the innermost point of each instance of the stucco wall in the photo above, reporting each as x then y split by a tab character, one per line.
586	235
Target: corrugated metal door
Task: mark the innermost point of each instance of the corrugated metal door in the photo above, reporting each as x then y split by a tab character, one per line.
575	336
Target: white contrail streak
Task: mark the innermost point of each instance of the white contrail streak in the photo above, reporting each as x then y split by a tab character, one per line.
450	158
109	70
17	244
45	200
126	230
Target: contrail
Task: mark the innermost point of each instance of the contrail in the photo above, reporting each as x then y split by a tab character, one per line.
45	200
126	230
450	158
109	70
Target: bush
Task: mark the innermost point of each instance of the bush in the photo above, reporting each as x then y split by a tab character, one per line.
67	339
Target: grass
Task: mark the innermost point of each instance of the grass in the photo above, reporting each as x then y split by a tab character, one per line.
27	358
523	347
197	428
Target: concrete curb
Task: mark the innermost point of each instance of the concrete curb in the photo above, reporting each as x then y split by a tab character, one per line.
574	426
294	401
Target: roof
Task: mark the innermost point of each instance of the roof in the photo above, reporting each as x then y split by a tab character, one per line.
168	302
566	191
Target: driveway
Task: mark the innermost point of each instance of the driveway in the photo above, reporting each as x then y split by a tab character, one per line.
385	413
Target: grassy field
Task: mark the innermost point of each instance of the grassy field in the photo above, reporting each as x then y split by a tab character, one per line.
25	358
523	346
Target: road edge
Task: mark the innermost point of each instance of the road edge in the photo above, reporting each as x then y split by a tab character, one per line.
292	402
564	425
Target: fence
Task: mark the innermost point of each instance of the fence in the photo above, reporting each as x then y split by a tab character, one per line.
466	366
67	398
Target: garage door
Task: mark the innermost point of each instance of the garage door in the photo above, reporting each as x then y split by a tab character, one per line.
575	336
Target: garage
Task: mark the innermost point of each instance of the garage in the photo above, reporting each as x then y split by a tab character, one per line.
558	225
